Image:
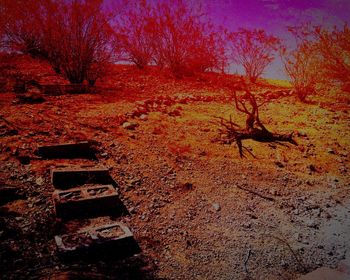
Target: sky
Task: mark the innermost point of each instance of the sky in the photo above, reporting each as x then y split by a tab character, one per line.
275	15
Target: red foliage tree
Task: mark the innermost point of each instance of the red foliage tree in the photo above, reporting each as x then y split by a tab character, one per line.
320	58
78	38
334	47
21	25
74	36
302	65
134	33
184	40
254	50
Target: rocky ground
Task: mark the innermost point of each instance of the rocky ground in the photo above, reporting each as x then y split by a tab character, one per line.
197	210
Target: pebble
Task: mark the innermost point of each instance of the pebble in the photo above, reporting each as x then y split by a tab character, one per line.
143	117
39	181
129	126
216	206
311	223
279	164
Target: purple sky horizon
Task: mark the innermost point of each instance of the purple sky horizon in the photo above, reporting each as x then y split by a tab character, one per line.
274	16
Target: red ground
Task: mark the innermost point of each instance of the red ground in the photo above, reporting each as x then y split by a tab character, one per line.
197	209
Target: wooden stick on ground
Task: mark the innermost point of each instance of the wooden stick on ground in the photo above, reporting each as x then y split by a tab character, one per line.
246	261
257	194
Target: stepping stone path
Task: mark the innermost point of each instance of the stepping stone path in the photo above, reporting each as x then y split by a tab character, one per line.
87	201
97	241
68	150
87	192
66	178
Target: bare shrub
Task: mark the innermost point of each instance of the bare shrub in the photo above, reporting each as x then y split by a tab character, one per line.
334	47
319	60
302	67
184	40
254	50
74	36
246	102
134	32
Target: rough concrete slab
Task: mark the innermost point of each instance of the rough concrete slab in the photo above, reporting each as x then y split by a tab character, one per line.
111	240
91	201
69	177
9	193
67	150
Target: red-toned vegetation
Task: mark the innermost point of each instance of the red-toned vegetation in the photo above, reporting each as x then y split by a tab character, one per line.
80	39
157	124
254	50
73	36
320	58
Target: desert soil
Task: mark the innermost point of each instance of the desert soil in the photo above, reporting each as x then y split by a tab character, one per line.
197	210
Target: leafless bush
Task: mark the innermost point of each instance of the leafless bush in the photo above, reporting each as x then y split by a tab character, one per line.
254	50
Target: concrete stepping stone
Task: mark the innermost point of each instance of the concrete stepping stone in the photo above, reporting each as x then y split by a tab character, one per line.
67	150
9	193
69	177
87	201
111	240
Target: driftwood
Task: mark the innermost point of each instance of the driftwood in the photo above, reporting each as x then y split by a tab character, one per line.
231	132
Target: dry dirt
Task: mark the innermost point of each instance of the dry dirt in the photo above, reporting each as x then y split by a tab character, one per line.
197	210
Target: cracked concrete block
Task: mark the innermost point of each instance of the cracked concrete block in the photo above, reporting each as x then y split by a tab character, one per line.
111	240
67	150
67	177
87	201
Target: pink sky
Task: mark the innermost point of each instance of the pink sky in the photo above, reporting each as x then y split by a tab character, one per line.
275	15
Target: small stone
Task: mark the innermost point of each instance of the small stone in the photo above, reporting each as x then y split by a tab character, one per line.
302	133
273	192
104	155
216	206
247	225
312	168
297	236
311	223
39	181
129	126
279	164
330	151
143	117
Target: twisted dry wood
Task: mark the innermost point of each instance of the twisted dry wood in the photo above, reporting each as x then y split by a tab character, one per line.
231	132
